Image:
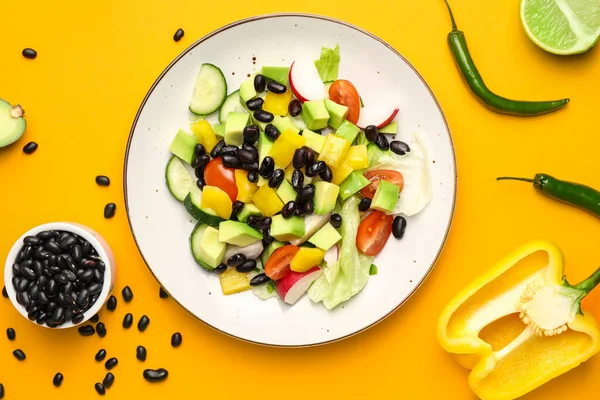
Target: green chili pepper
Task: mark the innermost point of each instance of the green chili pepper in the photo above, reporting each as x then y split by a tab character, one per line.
576	194
460	50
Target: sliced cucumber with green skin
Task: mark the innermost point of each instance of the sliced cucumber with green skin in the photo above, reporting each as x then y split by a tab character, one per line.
179	180
192	205
232	104
12	123
210	90
195	239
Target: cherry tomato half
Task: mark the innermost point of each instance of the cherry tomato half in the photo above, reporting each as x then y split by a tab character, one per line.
373	233
375	176
343	92
216	174
278	265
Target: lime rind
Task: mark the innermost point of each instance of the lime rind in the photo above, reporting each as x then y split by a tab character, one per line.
562	27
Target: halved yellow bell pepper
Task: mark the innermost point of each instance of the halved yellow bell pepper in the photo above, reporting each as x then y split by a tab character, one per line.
217	200
334	150
245	188
520	324
277	103
267	201
357	157
306	258
284	147
205	134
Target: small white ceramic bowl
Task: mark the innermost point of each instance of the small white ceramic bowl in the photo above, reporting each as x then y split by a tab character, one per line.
97	242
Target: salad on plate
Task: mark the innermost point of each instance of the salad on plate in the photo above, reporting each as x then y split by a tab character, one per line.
294	181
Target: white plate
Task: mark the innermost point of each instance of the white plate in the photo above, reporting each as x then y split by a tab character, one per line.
161	226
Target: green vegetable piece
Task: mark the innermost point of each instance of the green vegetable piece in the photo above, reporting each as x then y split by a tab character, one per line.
183	146
373	270
279	74
348	131
386	196
328	64
352	184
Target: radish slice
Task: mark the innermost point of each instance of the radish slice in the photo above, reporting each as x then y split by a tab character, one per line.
332	255
377	115
305	81
293	286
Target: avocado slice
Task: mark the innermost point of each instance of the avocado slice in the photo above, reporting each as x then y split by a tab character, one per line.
314	140
238	233
285	230
210	250
325	237
285	123
286	192
337	113
247	91
352	184
183	146
12	123
326	194
248	210
278	74
348	131
386	196
315	114
234	128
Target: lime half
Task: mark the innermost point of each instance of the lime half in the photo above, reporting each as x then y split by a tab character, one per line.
562	26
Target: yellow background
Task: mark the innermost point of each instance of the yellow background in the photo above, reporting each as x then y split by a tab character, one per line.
97	60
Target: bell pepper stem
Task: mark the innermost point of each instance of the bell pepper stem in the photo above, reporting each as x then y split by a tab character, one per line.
454	28
588	284
512	178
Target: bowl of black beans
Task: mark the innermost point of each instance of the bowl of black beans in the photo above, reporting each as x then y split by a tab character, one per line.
59	275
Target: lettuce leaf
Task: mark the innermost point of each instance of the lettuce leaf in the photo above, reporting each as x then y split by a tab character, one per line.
350	273
329	63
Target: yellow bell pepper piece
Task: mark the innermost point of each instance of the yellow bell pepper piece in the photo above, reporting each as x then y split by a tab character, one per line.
267	201
284	147
234	282
306	258
205	134
217	200
520	324
334	150
340	173
357	157
277	103
245	188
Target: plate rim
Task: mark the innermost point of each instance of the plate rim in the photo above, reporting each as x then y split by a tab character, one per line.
331	20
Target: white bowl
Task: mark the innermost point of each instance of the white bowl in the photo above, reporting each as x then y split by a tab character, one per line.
97	242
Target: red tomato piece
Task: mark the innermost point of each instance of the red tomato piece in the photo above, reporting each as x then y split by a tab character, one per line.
216	174
373	233
343	92
278	265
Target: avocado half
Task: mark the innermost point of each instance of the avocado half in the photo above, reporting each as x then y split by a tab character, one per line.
12	123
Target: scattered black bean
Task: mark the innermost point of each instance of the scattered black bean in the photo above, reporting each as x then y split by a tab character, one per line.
382	142
398	227
253	220
253	176
237	207
109	210
399	147
310	156
247	266
108	381
127	294
199	150
336	220
326	175
231	161
156	375
29	53
264	223
316	168
178	35
255	104
176	339
111	363
143	323
260	83
221	268
101	329
364	204
236	259
272	132
19	355
289	209
297	180
263	116
86	330
100	355
267	238
127	320
200	162
299	160
276	178
100	389
1	391
102	180
247	156
267	167
371	133
111	304
306	194
58	379
276	87
11	334
214	153
4	292
295	108
251	133
259	280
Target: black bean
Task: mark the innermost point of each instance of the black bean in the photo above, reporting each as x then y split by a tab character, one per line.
86	248
58	379
100	355
214	153
251	134
50	308
100	389
272	132
237	207
310	156
86	330
276	87
29	53
34	240
4	292
53	247
371	133
1	391
77	318
156	375
16	280
231	161
229	150
109	210
95	318
199	172
62	279
102	180
264	223
38	268
255	104
70	274
236	259
200	162
127	294
299	160
19	355
306	194
267	238
58	316
11	334
297	180
30	147
260	83
253	220
17	268
259	280
86	275
336	220
111	304
316	168
267	167
177	37
45	235
247	266
62	235
85	263
246	156
199	150
399	147
364	204
398	227
28	273
111	363
23	299
253	176
108	381
55	270
42	298
101	266
176	339
101	329
143	323
41	318
127	320
308	208
382	142
95	288
98	276
221	268
61	262
163	294
326	175
294	108
289	209
276	178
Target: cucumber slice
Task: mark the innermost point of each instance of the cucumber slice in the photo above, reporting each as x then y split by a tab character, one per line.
231	104
12	123
207	216
195	239
210	90
179	180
